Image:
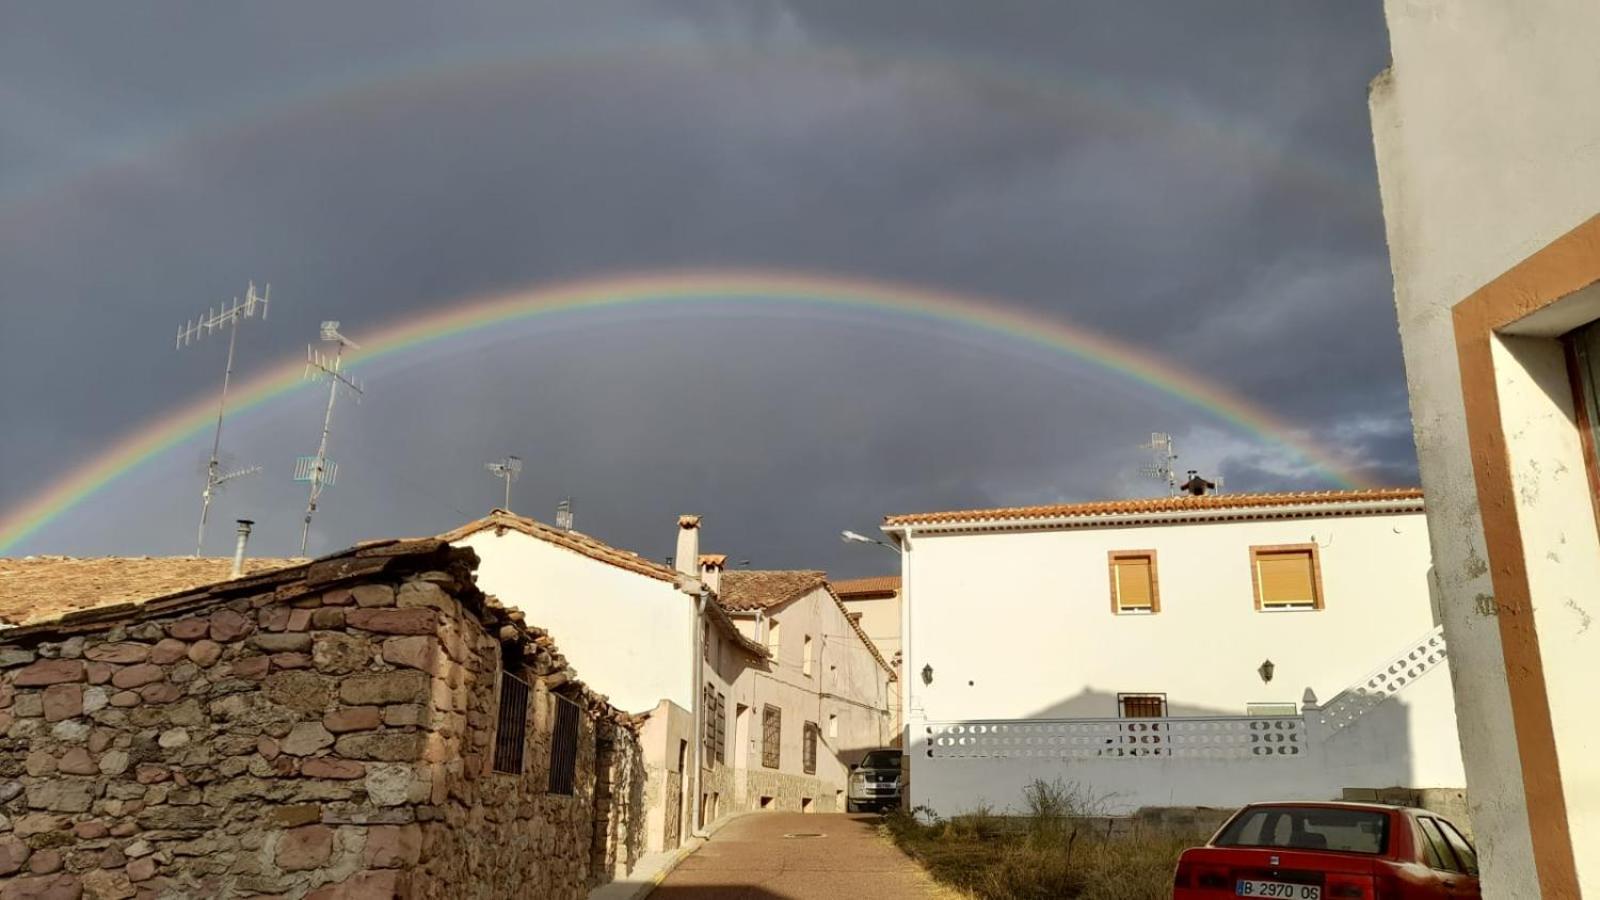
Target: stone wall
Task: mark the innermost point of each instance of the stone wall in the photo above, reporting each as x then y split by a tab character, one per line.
788	791
321	731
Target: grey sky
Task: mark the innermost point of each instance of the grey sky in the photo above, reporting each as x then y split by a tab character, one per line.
1192	179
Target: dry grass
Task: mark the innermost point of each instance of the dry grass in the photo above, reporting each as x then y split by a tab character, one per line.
1056	850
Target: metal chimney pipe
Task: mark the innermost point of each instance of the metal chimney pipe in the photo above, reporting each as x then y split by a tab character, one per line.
238	549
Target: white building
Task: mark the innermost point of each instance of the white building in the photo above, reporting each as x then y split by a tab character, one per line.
1488	151
1182	651
656	640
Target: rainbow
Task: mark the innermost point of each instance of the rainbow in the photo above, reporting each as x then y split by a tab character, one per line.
749	288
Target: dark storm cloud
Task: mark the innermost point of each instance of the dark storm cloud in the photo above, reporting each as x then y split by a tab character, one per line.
1193	180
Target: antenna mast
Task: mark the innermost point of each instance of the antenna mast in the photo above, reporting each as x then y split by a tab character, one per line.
229	318
319	470
508	468
1163	455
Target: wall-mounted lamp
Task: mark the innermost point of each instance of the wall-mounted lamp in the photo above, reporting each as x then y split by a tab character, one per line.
927	674
1266	670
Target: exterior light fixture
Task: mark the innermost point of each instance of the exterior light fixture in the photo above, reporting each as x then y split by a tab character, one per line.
853	537
927	674
1266	671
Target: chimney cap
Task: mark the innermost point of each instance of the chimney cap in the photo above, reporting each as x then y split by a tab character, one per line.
245	523
713	560
688	521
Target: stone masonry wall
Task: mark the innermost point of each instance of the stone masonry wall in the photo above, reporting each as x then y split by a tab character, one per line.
286	738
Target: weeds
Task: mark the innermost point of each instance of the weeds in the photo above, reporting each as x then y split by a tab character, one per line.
1063	846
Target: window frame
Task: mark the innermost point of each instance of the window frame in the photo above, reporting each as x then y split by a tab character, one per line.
510	756
1441	847
807	651
1123	697
566	724
774	638
810	737
1586	400
772	750
1318	597
1112	558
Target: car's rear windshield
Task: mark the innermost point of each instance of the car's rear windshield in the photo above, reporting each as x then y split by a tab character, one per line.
881	759
1308	828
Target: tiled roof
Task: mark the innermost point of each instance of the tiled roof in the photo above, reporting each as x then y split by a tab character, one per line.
577	541
1223	506
747	589
33	588
867	587
719	560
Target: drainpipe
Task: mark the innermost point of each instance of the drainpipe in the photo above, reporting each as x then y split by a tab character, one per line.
238	549
698	827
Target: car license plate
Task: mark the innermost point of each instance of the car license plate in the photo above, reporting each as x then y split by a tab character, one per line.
1278	889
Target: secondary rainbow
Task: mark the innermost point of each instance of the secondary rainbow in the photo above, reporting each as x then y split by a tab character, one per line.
757	288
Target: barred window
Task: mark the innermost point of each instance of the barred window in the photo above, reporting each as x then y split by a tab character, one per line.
808	749
771	736
511	729
564	747
714	732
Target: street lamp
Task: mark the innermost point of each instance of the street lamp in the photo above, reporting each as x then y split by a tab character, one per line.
851	537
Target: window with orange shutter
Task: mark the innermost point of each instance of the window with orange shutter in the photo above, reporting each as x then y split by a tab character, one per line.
1133	582
1286	577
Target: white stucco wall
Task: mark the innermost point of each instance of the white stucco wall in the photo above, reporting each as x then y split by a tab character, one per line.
880	619
1019	625
1488	148
627	635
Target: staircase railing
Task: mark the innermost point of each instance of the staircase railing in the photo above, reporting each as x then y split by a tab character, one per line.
1384	682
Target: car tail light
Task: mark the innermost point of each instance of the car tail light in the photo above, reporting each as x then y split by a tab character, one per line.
1202	876
1349	887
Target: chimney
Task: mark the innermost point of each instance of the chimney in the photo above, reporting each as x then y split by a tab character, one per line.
238	549
688	558
711	566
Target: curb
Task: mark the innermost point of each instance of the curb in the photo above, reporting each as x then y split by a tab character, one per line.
645	888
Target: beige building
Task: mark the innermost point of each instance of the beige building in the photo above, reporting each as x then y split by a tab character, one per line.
820	703
876	604
1488	150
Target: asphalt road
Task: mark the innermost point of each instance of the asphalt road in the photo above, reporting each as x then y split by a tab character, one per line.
766	856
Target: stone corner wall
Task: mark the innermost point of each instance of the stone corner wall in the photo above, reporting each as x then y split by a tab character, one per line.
292	742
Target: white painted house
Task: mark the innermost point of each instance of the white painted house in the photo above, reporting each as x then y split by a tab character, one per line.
1488	150
1191	650
739	717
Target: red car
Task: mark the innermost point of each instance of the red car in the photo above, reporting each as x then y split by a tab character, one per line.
1331	851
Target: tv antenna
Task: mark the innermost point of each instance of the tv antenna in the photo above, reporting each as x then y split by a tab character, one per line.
508	468
319	470
228	317
1163	455
564	514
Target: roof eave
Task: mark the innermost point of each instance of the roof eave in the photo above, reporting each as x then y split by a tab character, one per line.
899	527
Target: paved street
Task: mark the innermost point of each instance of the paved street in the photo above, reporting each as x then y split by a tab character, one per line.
755	858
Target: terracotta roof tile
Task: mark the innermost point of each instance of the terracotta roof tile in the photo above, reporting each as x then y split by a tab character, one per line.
34	588
751	589
867	587
1230	506
577	541
748	589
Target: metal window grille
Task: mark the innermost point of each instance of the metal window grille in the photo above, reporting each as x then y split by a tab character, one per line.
771	735
511	731
564	747
708	726
721	736
808	755
1143	706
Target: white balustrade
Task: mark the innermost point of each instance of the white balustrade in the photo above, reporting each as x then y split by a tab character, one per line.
1233	737
1384	682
